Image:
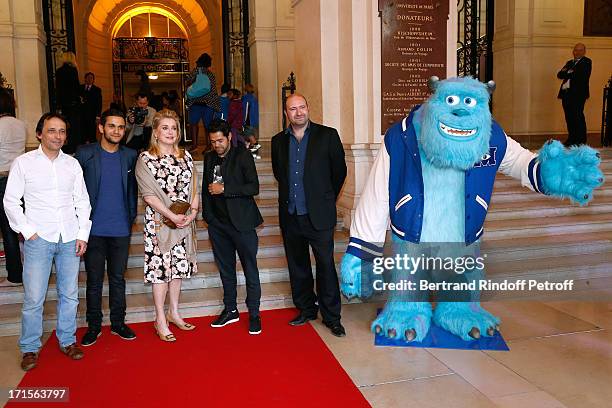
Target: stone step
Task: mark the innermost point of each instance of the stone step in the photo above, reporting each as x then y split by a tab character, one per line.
273	268
546	208
200	302
208	301
522	228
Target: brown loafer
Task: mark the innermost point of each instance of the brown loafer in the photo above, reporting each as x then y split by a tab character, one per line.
29	361
73	351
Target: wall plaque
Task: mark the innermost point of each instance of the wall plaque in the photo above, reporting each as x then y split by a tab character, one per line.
413	49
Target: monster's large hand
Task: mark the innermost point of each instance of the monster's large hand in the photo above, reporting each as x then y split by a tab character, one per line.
356	277
572	172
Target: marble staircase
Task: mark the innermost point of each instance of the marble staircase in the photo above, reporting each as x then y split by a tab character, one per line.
527	236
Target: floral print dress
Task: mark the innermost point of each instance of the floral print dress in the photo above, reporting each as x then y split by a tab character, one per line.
174	177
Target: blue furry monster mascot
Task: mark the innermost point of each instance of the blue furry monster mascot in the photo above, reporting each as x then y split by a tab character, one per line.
432	181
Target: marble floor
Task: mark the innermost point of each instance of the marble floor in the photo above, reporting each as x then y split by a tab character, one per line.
560	356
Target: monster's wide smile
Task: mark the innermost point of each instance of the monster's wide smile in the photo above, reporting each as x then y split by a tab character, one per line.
455	132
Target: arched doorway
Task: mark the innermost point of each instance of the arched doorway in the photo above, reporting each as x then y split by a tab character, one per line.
150	52
188	27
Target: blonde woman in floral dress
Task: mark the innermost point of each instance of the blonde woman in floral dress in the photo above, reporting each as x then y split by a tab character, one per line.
166	174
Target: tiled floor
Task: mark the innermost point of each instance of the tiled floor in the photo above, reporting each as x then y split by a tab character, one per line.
561	356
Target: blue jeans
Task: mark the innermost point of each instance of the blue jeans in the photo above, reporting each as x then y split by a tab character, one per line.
38	257
203	113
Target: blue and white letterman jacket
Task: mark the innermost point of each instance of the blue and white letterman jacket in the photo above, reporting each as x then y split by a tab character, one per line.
393	193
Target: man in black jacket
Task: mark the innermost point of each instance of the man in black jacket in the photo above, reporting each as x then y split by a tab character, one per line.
108	170
92	107
574	92
229	184
308	163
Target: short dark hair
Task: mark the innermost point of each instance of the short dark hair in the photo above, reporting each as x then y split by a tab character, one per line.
142	95
225	87
50	115
111	112
90	73
204	61
235	91
7	102
219	125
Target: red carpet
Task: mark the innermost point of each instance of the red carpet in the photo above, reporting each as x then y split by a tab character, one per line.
284	366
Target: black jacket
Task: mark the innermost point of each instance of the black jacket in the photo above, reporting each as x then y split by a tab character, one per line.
68	87
241	184
579	78
324	174
92	101
88	157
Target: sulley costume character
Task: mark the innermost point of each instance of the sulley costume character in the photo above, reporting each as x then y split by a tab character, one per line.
433	180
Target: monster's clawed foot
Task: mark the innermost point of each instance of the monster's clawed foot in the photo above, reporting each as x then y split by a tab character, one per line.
409	321
467	320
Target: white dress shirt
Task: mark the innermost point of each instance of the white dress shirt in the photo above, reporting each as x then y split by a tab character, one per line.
55	197
12	140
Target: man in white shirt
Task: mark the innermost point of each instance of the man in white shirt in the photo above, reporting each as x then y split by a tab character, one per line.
55	227
12	145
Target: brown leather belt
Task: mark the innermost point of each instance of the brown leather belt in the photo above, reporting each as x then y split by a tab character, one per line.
4	173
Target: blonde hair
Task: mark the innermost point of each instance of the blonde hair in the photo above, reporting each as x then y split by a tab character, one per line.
154	149
68	57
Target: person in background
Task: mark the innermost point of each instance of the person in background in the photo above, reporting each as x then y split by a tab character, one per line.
170	101
108	169
573	92
118	104
68	94
166	174
204	108
235	117
139	123
250	107
225	100
12	145
145	85
55	226
91	109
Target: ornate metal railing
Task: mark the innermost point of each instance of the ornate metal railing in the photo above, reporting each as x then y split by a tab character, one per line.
59	29
235	14
475	39
150	48
287	89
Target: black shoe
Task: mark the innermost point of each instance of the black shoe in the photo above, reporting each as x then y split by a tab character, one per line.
124	332
226	317
336	329
254	325
90	337
302	319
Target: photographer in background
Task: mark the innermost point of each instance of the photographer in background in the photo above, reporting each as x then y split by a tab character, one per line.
139	123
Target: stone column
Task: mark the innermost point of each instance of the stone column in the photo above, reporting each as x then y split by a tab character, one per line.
22	39
338	54
272	58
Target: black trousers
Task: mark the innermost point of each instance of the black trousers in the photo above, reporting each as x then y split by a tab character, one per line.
10	239
226	242
574	118
111	252
298	235
75	130
90	129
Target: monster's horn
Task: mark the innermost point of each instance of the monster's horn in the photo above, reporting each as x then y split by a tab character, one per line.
491	85
433	83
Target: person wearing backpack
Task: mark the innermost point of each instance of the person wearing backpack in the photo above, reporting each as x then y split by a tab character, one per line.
203	101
